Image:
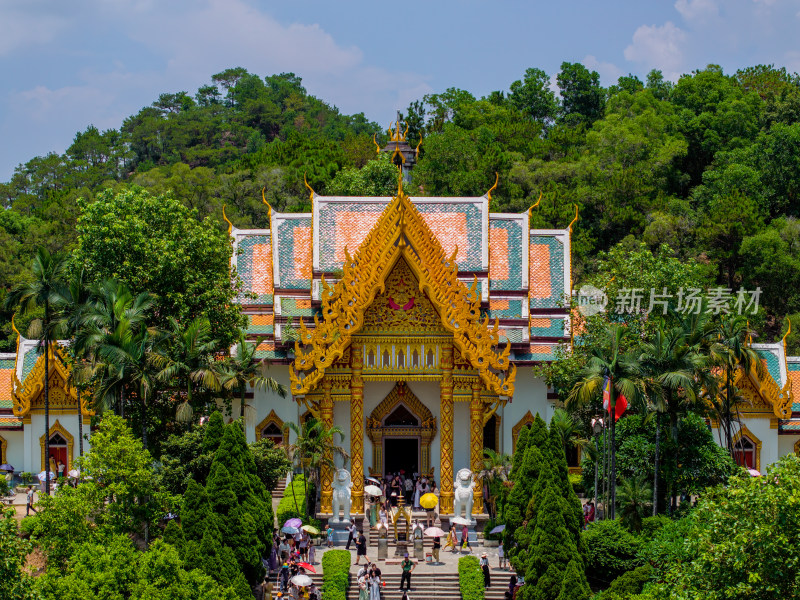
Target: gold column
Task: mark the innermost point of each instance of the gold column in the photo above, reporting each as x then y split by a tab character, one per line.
476	444
446	403
326	414
357	426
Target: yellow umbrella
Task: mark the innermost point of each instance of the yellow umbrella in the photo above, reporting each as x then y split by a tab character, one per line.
428	501
310	529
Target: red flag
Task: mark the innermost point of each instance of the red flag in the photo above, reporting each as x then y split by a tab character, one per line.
620	406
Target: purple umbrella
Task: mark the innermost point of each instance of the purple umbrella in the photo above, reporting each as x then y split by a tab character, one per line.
498	529
295	522
6	467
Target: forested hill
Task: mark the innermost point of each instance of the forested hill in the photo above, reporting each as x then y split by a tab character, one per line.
709	166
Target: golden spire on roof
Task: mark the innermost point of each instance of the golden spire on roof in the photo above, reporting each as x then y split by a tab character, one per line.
395	135
374	141
534	205
264	200
575	219
310	189
494	187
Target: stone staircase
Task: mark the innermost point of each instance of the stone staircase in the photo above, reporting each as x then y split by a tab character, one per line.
277	493
429	586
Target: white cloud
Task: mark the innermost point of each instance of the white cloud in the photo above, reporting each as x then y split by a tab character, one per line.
658	48
609	72
697	10
19	29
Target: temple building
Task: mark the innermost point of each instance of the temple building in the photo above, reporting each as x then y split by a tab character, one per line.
412	324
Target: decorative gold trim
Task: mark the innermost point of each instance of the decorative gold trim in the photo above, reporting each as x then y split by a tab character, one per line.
426	430
310	189
28	397
745	432
774	423
416	150
494	187
59	428
532	206
269	206
400	232
3	450
227	220
797	447
575	220
374	141
272	417
526	419
765	391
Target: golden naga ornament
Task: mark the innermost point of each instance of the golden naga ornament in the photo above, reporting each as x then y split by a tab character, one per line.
401	232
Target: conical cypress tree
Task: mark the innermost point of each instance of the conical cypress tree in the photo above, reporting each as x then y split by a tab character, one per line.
574	586
214	430
219	562
519	497
519	452
173	535
538	435
551	550
574	516
196	511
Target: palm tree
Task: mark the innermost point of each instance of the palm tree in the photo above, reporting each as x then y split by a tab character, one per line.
670	367
243	369
315	446
729	351
567	428
607	360
187	357
496	468
111	303
634	498
46	291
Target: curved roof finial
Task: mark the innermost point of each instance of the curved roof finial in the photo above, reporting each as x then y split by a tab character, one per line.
534	205
14	326
377	147
310	189
786	335
494	187
224	216
264	200
575	219
416	150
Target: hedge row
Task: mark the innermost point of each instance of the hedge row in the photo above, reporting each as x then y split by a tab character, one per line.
470	578
293	502
336	574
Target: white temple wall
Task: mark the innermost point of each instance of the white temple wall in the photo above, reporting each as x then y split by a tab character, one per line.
341	418
768	437
530	394
265	401
15	450
461	436
785	444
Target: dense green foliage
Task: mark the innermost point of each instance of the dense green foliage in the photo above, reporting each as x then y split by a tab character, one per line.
470	578
706	165
15	583
741	540
336	574
611	550
293	502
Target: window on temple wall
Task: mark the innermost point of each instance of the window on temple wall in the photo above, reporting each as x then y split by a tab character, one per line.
387	360
371	358
415	359
274	433
401	359
429	361
744	453
490	434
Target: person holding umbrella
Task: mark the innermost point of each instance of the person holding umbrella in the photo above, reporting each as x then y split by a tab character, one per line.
451	539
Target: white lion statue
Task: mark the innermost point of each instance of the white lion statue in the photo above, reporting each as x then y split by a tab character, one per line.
342	484
463	498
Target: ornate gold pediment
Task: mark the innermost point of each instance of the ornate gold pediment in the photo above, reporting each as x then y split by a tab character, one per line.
401	232
764	393
28	396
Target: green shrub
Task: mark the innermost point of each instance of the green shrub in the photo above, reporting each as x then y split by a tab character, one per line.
336	574
26	477
576	481
652	525
470	578
293	503
611	550
629	583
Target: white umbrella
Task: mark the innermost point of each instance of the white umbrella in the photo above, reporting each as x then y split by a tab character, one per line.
43	475
754	473
302	580
373	490
74	473
373	480
434	532
460	521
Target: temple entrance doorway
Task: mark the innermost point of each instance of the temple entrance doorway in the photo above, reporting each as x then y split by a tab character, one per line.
401	454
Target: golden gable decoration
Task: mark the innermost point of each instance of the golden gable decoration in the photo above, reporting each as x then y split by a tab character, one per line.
400	232
28	397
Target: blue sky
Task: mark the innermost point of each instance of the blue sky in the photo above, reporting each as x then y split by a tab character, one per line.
66	65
